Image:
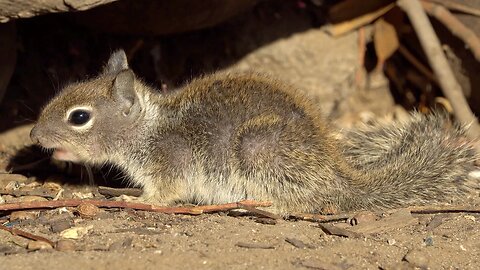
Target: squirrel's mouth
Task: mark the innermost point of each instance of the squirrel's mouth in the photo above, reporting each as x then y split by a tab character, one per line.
64	155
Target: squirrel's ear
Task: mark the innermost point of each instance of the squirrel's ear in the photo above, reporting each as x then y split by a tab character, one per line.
116	63
124	89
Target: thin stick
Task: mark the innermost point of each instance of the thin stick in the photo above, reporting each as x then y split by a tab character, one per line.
362	48
25	234
321	218
115	192
417	64
260	212
347	26
452	5
455	26
431	45
196	210
443	209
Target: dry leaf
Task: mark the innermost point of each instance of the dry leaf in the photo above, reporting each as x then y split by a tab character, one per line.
385	40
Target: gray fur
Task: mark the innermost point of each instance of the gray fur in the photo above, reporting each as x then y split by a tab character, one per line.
229	137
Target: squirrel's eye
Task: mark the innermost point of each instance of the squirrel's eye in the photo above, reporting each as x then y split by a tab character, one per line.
79	117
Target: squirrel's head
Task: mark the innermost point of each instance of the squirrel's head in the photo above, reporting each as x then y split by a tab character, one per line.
82	122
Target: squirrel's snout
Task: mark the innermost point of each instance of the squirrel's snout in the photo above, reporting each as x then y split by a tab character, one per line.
34	135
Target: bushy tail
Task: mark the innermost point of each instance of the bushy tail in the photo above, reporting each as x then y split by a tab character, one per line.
425	159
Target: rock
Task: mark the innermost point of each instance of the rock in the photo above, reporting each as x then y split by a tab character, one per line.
76	232
38	245
7	178
428	241
391	242
23	215
25	9
61	225
65	245
417	258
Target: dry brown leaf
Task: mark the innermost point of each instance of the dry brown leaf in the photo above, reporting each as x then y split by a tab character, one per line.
385	40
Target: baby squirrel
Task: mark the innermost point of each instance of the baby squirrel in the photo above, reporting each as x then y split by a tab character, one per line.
229	137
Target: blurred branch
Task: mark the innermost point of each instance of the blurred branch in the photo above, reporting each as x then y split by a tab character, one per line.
28	8
438	61
347	26
455	26
452	5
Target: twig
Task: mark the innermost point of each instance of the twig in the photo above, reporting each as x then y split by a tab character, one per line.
25	234
452	5
455	26
321	218
260	212
345	27
417	64
115	192
231	206
332	230
195	210
443	209
431	45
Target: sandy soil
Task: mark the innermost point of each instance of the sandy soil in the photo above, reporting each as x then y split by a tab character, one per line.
128	239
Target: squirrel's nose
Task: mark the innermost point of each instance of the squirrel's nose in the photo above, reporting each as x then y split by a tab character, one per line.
34	135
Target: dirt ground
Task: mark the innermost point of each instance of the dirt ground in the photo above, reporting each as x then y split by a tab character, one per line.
282	40
129	239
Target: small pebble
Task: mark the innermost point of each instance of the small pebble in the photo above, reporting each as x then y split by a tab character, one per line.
428	241
38	245
12	185
391	242
76	232
23	215
61	225
65	245
52	186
